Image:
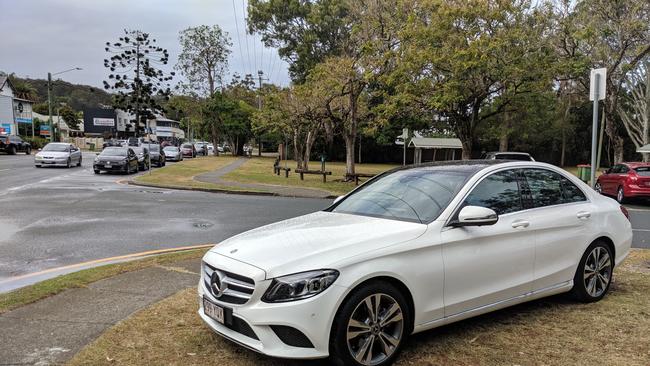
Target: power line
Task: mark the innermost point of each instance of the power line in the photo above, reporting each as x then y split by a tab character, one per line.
241	52
254	42
246	33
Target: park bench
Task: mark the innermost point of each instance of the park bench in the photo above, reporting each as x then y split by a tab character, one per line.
323	173
277	169
356	177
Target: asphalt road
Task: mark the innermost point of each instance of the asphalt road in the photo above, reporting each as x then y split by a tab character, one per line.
52	217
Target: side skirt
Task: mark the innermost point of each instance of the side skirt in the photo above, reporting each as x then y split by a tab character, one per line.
548	291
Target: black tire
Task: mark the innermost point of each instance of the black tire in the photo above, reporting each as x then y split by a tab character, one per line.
96	171
620	195
79	162
68	164
340	351
28	150
38	166
580	290
11	150
598	188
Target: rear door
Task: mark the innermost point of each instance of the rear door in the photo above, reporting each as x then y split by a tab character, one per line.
561	220
488	264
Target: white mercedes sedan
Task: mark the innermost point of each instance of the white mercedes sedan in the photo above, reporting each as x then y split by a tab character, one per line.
410	250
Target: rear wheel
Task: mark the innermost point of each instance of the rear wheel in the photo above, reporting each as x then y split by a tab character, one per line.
96	171
28	150
370	327
68	163
594	275
620	195
11	150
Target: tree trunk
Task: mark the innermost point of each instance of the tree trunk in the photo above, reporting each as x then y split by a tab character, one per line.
349	153
297	154
563	151
215	139
505	133
311	138
467	148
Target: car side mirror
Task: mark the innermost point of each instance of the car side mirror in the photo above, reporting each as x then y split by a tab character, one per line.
476	216
337	199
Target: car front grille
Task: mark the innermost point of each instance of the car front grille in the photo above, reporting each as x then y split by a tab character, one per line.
235	289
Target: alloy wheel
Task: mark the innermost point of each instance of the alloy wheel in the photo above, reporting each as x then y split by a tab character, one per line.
375	329
620	195
599	188
597	271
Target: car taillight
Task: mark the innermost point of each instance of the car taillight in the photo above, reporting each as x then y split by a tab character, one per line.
625	212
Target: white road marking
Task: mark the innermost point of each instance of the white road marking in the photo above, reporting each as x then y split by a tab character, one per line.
644	230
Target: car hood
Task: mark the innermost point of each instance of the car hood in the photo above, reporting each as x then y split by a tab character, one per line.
54	154
314	241
111	158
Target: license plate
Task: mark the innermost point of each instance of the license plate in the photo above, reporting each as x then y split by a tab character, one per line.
214	311
108	165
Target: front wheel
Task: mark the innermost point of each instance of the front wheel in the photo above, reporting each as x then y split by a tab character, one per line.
28	150
68	163
79	162
370	327
96	171
599	188
594	275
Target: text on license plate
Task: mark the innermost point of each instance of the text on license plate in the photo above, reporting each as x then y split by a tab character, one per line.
213	311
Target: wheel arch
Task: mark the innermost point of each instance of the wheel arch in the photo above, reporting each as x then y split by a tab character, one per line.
610	244
401	286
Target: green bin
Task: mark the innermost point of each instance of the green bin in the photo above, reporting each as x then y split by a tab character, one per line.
92	146
584	172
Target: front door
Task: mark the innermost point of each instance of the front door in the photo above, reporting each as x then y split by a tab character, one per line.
488	264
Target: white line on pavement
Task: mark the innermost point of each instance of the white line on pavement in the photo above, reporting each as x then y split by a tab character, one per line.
644	230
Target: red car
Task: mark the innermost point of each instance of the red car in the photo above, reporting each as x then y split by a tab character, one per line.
625	180
188	150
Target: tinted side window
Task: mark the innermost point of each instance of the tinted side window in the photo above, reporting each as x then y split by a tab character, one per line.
623	169
571	192
545	187
499	192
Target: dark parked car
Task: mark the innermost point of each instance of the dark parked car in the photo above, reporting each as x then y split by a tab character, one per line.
116	159
188	150
156	153
625	180
13	144
143	156
507	155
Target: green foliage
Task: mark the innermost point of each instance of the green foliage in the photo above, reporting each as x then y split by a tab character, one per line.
36	142
304	31
76	96
70	117
137	82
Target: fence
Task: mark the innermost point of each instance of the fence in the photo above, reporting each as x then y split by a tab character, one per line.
85	143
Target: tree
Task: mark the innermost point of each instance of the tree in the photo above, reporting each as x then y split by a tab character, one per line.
292	113
23	90
70	117
635	109
228	118
465	61
339	84
204	58
305	32
135	75
615	35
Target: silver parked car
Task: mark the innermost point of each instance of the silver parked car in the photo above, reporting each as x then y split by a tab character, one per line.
172	153
58	154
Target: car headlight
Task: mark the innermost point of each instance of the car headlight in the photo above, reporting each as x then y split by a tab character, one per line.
39	157
300	286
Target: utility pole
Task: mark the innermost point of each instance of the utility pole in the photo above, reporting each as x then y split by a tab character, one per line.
259	108
49	104
596	93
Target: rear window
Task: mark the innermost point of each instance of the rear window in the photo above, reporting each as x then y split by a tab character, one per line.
522	157
643	171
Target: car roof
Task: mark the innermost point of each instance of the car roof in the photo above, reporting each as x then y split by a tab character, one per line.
508	152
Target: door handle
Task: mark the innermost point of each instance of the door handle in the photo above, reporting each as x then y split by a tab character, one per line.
583	215
520	224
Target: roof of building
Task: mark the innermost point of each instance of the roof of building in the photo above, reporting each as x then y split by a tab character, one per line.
4	79
644	149
435	143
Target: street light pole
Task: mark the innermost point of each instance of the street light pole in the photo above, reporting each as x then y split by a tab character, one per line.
49	97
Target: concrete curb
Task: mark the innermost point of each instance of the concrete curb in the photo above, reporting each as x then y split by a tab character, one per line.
224	191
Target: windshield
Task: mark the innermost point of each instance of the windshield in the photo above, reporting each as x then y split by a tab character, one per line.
138	150
416	195
56	147
113	151
643	171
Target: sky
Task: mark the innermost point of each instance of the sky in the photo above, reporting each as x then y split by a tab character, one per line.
41	36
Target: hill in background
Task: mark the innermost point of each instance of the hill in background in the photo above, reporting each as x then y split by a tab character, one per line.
75	95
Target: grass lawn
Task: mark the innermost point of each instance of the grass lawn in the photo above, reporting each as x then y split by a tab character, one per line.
181	174
552	331
29	294
260	170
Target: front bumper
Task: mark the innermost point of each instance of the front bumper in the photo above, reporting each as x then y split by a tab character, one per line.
312	317
51	162
112	168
